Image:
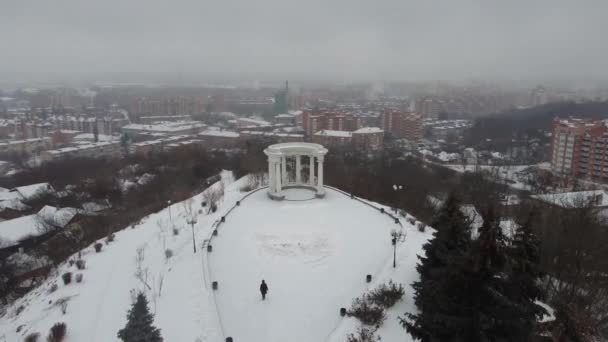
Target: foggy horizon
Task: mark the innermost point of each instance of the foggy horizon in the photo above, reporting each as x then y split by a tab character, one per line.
314	40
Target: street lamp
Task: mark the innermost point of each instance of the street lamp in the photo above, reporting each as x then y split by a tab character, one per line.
394	242
192	222
169	205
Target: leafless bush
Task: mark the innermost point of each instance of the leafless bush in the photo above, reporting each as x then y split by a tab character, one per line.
168	254
175	231
19	310
67	278
212	196
110	238
57	333
79	278
53	288
421	227
81	264
33	337
366	312
363	335
98	247
141	273
254	181
386	295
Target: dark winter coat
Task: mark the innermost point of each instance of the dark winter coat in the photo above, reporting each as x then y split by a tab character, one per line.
263	288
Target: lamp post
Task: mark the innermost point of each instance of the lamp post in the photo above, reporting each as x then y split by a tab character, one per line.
169	205
394	251
192	222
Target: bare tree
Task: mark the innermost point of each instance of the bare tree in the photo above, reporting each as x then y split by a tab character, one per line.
141	272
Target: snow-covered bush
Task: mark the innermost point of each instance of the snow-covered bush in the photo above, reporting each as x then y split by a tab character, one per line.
53	288
366	312
33	337
175	231
110	238
386	295
81	264
168	254
363	335
57	333
98	247
67	278
421	227
79	278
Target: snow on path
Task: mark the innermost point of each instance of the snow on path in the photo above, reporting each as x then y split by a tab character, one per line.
314	256
405	273
97	307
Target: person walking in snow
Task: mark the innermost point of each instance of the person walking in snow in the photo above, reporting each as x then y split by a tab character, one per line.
263	289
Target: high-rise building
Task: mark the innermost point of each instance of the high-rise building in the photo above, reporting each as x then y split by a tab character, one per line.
579	148
281	100
538	96
401	124
318	120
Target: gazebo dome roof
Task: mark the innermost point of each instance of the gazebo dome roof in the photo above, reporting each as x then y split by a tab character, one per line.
295	148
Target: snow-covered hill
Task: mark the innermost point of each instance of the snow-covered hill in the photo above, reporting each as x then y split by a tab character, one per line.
314	255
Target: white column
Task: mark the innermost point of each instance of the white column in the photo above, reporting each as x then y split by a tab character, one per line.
320	176
298	170
311	171
278	179
284	170
271	182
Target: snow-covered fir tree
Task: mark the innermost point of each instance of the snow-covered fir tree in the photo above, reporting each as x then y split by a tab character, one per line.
140	321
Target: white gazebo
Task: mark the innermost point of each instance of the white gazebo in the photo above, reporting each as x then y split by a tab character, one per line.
285	168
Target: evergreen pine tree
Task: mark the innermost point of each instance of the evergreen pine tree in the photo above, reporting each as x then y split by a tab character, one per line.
525	274
139	326
500	310
468	290
437	296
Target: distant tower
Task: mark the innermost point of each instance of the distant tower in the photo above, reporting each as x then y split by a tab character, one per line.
281	100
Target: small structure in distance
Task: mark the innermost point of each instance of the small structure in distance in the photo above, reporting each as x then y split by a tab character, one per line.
280	156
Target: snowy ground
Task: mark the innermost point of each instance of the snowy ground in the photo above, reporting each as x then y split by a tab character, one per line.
512	175
314	254
97	307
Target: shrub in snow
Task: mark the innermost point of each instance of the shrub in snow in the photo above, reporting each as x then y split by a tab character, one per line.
421	227
110	238
81	264
79	278
67	278
71	262
139	323
98	247
363	335
366	312
386	295
175	231
168	254
19	310
33	337
57	333
53	288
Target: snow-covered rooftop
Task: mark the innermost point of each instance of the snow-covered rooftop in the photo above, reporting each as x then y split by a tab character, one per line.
11	231
578	199
30	191
369	130
328	132
216	133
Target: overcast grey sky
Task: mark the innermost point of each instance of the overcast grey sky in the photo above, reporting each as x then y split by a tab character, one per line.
381	39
